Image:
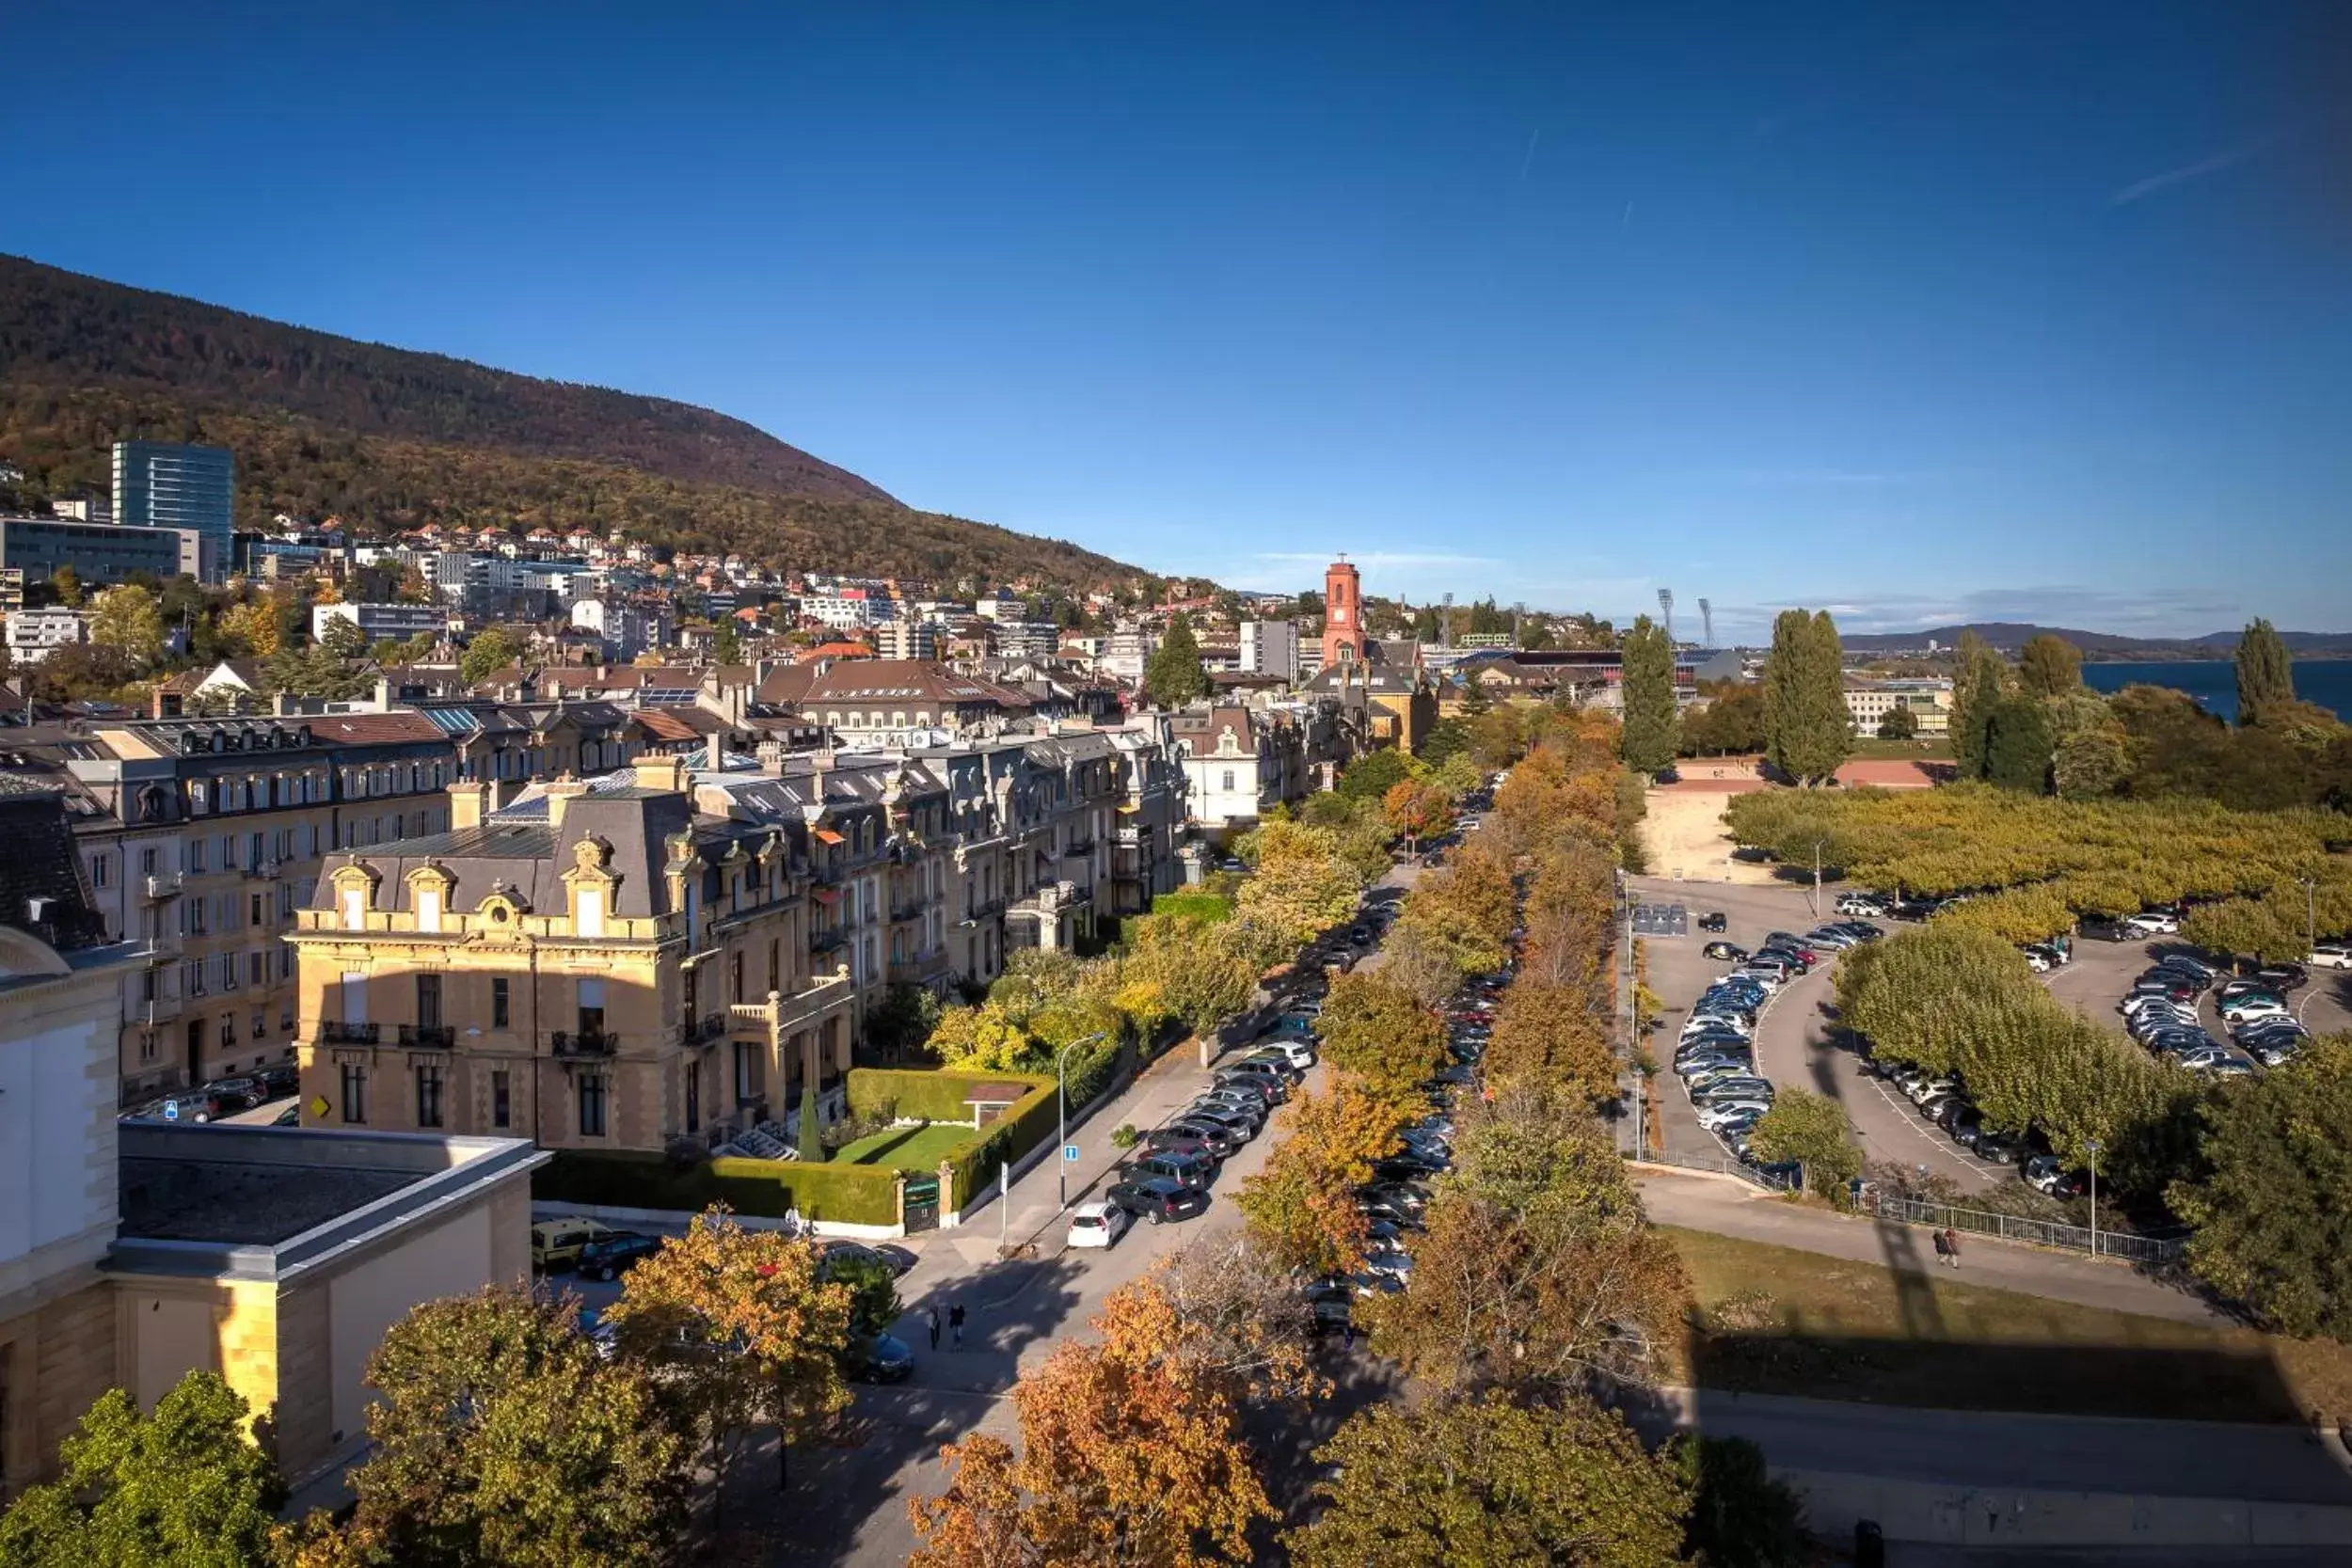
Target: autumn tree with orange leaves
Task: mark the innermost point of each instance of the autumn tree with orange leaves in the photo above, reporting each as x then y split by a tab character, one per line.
1301	1206
1131	1455
1418	811
1378	1031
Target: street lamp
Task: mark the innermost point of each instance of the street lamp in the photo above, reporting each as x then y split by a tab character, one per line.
2310	915
2092	1144
1817	879
1062	1112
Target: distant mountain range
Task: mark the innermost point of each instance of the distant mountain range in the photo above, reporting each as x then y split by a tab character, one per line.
2108	648
392	438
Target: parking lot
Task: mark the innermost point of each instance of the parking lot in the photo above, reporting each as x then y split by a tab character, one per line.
2102	972
1793	1043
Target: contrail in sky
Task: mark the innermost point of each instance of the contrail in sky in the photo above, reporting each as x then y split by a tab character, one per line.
1529	162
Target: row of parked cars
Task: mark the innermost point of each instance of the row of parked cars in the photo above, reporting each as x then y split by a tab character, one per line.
2164	1011
224	1097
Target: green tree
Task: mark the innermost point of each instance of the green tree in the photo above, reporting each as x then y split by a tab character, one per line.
1652	734
183	1486
1174	676
1741	1517
502	1436
343	639
1492	1484
2049	666
1371	777
2273	1210
66	584
127	619
2018	744
1899	724
1979	684
2266	672
727	642
1812	1130
492	649
1808	729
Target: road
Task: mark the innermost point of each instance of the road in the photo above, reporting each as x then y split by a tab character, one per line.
1793	1044
846	1505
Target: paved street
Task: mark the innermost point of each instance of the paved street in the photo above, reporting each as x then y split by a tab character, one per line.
1728	1208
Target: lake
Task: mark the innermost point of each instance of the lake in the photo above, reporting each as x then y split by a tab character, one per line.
2213	681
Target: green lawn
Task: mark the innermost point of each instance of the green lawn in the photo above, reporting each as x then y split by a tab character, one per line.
1773	1319
910	1148
1871	749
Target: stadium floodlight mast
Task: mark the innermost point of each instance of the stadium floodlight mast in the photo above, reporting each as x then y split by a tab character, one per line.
1706	620
1666	612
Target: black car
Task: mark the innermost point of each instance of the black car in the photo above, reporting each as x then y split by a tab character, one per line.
1190	1135
1712	921
1394	1212
1189	1170
1241	1122
280	1079
1157	1199
880	1358
1407	1166
614	1253
1266	1086
1998	1149
2284	976
231	1095
1728	952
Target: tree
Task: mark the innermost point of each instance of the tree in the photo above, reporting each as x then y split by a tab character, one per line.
501	1435
1378	1031
746	1330
1899	724
1731	720
1303	883
1174	676
2018	744
492	649
1549	1034
1978	686
2273	1210
1652	732
1807	731
1131	1455
126	619
904	1020
1492	1484
2265	672
1418	811
2049	666
1811	1129
727	642
66	584
1301	1206
253	626
1422	963
343	639
1740	1517
1371	777
185	1485
812	1124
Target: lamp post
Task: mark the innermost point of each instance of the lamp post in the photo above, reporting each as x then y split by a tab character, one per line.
2310	915
1061	1113
1817	879
2092	1144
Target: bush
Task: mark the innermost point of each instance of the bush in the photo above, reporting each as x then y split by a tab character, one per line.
1207	907
1126	1137
851	1194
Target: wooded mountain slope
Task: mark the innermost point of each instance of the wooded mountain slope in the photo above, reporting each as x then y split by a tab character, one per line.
392	438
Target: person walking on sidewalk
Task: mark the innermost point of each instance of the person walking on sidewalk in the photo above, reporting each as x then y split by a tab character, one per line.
955	1323
1943	1252
1951	1244
930	1319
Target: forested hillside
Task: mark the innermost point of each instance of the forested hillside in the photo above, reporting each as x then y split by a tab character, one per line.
387	437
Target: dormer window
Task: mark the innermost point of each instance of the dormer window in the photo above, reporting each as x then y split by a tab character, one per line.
355	902
588	912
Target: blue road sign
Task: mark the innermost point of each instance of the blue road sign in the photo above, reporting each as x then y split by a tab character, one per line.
171	1110
1070	1153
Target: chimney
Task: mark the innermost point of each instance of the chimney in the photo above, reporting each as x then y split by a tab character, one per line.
468	803
561	794
715	751
771	758
664	772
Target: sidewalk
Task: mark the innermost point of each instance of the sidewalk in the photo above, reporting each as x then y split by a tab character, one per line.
1728	1208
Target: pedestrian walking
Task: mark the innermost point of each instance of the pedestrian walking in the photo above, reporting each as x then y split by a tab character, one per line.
931	1318
1941	1250
955	1323
1951	1244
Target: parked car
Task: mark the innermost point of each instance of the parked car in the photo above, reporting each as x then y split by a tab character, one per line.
1300	1054
1267	1085
1189	1170
1204	1138
1236	1122
1998	1149
880	1358
1725	950
2330	955
1861	903
1929	1088
556	1243
2188	963
1098	1225
1407	1196
2151	924
1157	1198
613	1254
1722	1113
1739	1087
280	1079
2037	961
1712	921
2044	1174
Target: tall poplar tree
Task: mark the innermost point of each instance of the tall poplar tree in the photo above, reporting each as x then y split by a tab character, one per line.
2266	672
1175	677
2049	666
1653	733
1978	686
1808	729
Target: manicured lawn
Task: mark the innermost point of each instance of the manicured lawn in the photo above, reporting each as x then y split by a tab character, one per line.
915	1148
1773	1319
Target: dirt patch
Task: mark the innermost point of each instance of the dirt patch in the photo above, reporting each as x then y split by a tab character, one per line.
1683	830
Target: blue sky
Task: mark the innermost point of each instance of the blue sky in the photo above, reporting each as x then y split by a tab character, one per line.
1919	312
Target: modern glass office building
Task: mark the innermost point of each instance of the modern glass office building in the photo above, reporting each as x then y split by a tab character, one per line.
161	484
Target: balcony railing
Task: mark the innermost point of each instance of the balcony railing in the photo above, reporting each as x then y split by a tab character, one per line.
333	1033
1077	848
712	1026
918	970
910	911
986	909
583	1042
160	886
429	1036
826	940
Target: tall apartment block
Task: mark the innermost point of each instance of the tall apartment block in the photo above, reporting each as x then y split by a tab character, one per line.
162	484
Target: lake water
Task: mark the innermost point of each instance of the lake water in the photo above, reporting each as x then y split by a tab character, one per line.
2214	682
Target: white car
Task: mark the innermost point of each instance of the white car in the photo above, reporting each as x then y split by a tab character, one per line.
1861	907
2036	963
2153	925
1098	1224
1715	1117
2331	955
1927	1089
1301	1054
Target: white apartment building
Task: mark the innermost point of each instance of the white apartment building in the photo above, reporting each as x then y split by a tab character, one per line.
398	621
1930	701
843	611
33	634
907	640
1270	648
1128	650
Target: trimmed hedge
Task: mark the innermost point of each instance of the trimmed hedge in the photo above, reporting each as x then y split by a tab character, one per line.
1028	1123
925	1094
851	1194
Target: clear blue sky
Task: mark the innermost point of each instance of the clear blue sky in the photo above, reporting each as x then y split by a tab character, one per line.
1927	312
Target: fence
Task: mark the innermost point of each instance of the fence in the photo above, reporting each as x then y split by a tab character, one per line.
1723	1165
2049	1233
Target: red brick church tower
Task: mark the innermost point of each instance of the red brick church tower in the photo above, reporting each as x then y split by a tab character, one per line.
1343	615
